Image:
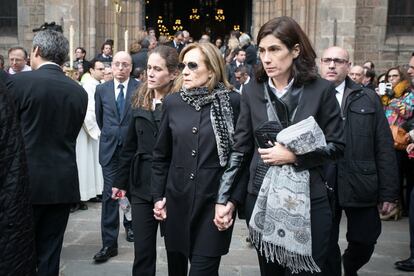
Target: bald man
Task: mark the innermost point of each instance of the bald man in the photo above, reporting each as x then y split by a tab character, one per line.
357	74
113	112
365	181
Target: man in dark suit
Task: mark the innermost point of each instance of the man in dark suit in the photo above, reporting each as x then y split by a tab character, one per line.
112	108
51	108
240	58
177	42
365	180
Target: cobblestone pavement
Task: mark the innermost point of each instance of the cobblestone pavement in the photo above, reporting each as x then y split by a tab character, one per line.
83	240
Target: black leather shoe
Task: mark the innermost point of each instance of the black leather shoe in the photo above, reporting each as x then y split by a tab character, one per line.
105	253
406	265
83	206
74	207
129	234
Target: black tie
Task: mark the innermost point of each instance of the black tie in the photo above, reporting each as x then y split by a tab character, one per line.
120	100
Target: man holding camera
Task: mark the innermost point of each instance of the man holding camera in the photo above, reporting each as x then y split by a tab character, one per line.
364	182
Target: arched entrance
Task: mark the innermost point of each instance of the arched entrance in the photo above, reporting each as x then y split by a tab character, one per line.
214	17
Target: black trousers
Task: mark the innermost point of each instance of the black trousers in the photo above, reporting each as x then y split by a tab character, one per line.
411	224
145	227
405	171
199	265
49	225
110	207
363	230
321	219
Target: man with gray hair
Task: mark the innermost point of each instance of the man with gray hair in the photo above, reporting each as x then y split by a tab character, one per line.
51	108
251	52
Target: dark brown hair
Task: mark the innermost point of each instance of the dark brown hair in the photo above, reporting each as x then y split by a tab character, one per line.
144	96
290	33
401	72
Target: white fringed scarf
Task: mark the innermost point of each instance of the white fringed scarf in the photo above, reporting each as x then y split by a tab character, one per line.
280	226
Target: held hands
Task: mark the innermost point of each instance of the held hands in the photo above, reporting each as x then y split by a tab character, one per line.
386	207
277	155
117	193
160	210
223	217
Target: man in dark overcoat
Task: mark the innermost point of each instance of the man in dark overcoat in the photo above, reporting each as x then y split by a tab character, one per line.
51	109
366	180
113	112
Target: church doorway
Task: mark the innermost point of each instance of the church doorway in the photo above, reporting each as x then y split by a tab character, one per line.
214	17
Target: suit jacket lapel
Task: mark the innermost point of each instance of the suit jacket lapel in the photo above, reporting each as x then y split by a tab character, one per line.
111	94
130	91
304	98
347	91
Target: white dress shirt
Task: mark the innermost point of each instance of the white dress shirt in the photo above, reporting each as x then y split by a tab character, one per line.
340	92
280	93
117	90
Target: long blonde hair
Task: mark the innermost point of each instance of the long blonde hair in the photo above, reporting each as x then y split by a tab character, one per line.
143	96
214	62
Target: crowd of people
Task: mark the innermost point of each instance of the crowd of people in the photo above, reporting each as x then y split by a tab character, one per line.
194	132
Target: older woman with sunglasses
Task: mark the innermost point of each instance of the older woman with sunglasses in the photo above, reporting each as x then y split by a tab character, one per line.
191	153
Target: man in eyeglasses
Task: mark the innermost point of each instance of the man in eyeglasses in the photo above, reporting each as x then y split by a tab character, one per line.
365	181
113	112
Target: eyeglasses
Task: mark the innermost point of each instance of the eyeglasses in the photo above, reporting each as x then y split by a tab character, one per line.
191	65
337	61
121	64
394	76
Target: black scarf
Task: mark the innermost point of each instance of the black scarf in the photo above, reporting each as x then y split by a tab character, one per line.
221	114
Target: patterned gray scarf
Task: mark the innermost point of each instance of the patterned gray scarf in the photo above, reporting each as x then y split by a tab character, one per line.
221	115
280	226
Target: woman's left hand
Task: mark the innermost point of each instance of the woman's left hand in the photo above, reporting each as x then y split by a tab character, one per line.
277	155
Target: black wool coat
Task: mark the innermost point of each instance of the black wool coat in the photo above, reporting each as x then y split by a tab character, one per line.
135	161
317	100
16	223
186	170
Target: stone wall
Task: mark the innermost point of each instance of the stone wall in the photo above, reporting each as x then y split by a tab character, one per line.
92	21
372	42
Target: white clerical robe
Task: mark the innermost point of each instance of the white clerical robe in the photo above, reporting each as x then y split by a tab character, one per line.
87	149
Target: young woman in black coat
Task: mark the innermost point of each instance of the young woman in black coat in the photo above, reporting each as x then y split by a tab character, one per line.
196	135
134	173
287	89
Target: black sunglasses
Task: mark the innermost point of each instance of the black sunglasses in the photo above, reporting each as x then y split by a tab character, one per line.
191	65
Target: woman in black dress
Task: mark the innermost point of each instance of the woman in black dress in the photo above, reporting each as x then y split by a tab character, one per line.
134	173
196	135
287	90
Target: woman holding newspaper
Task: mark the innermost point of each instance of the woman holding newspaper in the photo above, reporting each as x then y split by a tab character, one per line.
289	127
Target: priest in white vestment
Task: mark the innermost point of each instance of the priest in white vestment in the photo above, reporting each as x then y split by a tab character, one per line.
87	144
